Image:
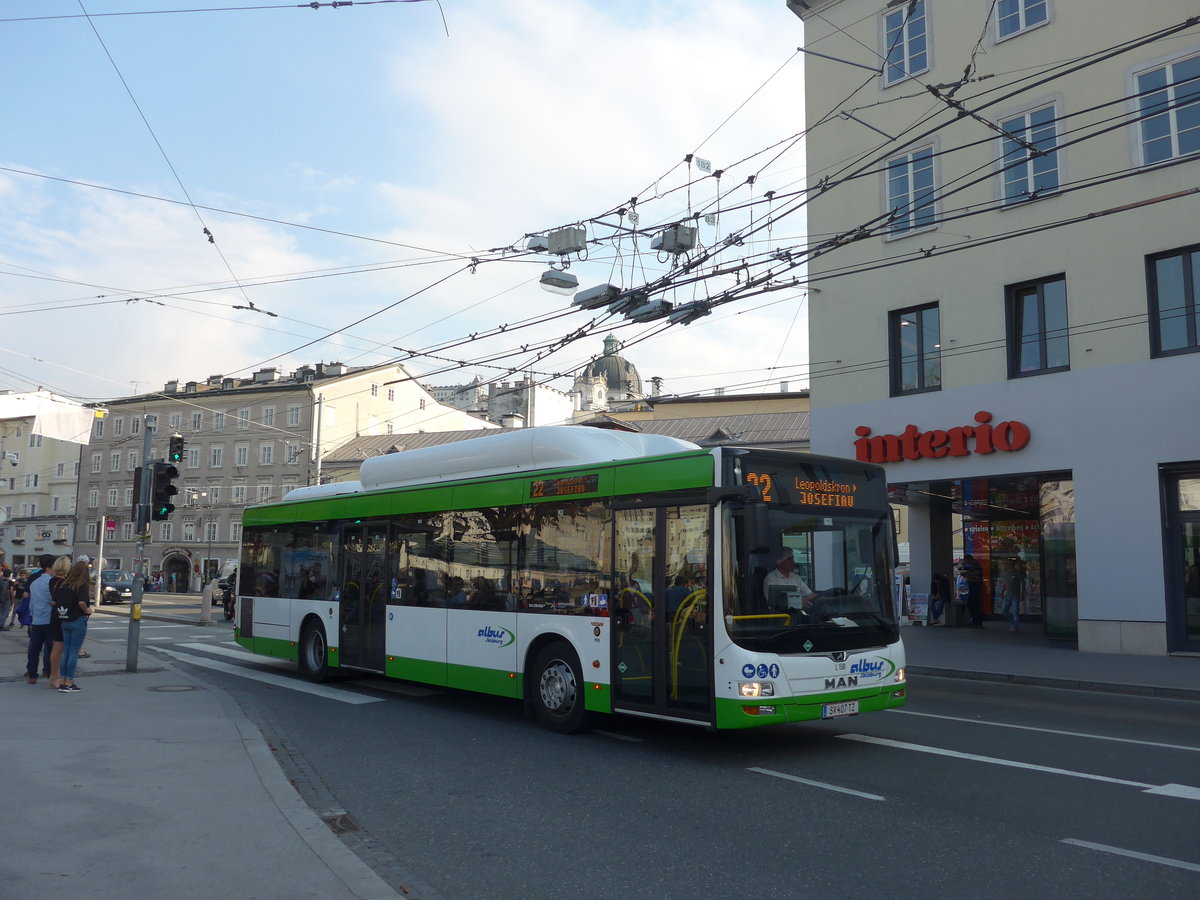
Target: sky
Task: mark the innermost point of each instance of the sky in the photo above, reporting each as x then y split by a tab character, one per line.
349	164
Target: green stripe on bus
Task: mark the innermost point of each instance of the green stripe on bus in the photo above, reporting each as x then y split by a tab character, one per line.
485	681
598	697
271	647
422	670
731	713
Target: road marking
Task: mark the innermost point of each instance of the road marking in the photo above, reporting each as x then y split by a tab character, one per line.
1082	734
1134	854
237	652
267	678
818	784
1182	791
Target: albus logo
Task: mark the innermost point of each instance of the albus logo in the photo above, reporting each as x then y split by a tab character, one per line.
964	440
501	637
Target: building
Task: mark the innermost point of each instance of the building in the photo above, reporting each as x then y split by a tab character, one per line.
40	437
534	402
1011	295
247	440
607	382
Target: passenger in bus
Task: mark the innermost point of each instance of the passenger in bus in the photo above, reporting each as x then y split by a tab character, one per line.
784	575
483	595
456	593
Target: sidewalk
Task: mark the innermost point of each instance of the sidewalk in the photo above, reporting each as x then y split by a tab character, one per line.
992	653
153	784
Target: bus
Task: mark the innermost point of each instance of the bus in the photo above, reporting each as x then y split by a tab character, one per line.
587	571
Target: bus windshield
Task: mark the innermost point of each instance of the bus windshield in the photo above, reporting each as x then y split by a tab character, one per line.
812	583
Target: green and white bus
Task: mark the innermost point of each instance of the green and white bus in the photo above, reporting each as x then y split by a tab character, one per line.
586	570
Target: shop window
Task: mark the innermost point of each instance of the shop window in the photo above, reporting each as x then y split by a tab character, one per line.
1174	316
1037	327
916	350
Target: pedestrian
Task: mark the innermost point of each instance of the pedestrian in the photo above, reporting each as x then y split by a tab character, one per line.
8	606
970	570
58	572
72	602
1008	590
40	643
939	593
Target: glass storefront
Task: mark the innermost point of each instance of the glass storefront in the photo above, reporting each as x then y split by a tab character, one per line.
1182	496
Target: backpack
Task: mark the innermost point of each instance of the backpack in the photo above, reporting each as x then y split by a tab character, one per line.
24	616
962	588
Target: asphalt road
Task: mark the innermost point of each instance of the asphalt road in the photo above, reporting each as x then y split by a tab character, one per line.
973	790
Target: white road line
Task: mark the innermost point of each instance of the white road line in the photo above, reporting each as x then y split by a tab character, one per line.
817	784
1183	791
1134	854
237	652
267	678
1081	734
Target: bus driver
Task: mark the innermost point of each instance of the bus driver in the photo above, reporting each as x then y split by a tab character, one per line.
784	576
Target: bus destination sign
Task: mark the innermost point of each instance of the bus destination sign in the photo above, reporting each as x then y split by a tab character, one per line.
564	487
805	488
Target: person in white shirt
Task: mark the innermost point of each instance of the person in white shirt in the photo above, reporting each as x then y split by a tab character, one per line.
784	575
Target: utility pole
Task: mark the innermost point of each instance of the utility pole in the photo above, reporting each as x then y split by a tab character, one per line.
139	554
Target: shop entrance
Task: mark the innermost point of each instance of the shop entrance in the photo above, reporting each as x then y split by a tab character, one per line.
177	574
1183	561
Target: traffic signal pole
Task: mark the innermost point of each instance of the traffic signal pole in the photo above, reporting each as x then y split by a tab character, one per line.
139	555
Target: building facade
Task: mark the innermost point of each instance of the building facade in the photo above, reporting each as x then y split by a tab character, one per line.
247	440
1011	295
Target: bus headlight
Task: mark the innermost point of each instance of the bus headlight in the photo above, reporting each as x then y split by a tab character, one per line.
756	688
900	676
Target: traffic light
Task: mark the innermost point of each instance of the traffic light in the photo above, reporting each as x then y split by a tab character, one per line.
162	491
175	451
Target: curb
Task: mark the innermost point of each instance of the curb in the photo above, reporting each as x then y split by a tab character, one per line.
1073	684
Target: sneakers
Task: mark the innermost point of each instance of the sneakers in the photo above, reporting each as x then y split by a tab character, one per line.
70	689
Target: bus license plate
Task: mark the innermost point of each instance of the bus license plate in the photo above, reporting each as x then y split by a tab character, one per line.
836	710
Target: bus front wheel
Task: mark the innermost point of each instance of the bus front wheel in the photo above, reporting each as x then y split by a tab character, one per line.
314	652
558	689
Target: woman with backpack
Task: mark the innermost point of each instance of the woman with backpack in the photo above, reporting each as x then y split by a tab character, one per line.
73	606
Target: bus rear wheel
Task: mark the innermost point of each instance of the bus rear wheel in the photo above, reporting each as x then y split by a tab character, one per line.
558	689
314	652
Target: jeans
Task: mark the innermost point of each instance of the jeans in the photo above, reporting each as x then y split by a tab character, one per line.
936	605
39	645
1012	612
73	634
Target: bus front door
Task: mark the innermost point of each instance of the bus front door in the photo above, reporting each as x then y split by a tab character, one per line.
364	597
661	642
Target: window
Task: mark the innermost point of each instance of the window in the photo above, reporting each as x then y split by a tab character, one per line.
127	531
241	455
916	350
54	504
235	532
218	421
910	191
115	461
165	531
1174	316
1027	175
391	394
266	452
374	390
239	494
60	469
264	492
268	416
99	428
422	403
112	496
135	425
32	509
210	532
1015	16
193	456
197	421
1037	327
293	454
75	469
131	460
92	531
31	480
187	532
214	494
118	427
1169	110
905	43
97	462
216	456
128	496
243	419
93	499
174	421
293	416
35	440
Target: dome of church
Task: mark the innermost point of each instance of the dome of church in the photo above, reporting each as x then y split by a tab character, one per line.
620	374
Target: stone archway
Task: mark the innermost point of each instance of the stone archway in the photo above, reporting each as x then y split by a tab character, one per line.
177	574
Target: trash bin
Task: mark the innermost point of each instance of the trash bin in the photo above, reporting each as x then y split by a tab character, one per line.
957	615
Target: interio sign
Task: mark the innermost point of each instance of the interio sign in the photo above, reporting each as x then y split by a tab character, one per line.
963	440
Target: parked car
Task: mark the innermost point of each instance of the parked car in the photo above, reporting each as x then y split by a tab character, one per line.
116	585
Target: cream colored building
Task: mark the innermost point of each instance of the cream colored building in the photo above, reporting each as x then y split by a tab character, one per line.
1012	295
247	440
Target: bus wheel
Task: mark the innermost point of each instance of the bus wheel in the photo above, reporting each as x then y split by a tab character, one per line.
314	652
558	688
